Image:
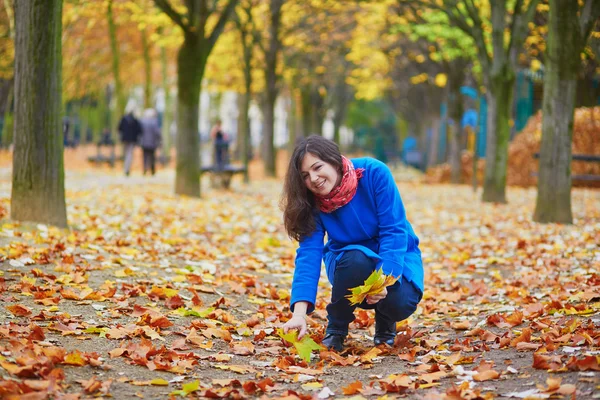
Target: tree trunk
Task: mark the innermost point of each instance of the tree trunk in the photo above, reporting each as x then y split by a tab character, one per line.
190	69
496	158
268	133
455	72
434	145
318	112
454	154
147	70
5	134
563	61
292	122
244	132
168	113
306	111
38	184
341	100
112	30
271	79
247	41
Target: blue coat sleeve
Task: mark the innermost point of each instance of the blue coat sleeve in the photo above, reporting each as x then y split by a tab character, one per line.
308	268
391	216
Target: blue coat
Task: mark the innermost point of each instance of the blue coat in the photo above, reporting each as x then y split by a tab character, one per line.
374	222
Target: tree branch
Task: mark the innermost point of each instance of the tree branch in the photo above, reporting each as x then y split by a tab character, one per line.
520	23
218	29
11	18
171	13
458	19
589	16
477	31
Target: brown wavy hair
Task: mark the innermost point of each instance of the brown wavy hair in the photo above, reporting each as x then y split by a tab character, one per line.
297	202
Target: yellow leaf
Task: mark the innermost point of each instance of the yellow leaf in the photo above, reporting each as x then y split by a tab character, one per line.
374	284
312	386
441	80
304	347
159	382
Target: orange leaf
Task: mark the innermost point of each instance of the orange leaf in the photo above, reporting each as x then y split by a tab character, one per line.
461	325
368	357
486	375
217	333
19	310
352	388
75	358
433	376
244	348
524	337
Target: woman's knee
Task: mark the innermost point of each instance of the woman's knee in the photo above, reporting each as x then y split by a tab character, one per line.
401	303
353	268
357	260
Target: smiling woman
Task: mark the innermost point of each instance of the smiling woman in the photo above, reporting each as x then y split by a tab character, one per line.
357	203
320	177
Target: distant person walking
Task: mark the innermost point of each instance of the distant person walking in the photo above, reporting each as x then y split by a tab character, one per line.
130	131
151	139
221	145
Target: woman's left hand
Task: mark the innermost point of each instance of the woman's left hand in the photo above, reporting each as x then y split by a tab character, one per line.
375	298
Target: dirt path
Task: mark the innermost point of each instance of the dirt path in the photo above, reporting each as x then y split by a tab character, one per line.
101	309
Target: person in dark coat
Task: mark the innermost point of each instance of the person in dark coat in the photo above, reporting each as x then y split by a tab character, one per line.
130	131
151	139
221	141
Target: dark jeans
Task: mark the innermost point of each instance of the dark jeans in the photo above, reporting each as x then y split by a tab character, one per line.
353	268
150	161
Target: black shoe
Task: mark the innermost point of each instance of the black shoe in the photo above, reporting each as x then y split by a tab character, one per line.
385	332
333	342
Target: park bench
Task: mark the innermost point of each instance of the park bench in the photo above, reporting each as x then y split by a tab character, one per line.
221	175
584	158
100	158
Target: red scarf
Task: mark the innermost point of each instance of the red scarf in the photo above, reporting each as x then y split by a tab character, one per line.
344	192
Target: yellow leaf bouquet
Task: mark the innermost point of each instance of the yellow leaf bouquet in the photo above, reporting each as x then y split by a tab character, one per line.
374	284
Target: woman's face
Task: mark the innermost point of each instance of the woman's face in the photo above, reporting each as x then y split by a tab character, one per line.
319	176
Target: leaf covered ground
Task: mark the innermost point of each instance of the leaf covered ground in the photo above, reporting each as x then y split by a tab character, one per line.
150	295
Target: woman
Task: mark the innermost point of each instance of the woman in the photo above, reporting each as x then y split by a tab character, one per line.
357	203
150	139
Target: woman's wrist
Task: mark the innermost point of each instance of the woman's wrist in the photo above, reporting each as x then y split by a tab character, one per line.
300	309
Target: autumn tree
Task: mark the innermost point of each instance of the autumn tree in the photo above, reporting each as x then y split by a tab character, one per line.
112	32
508	24
246	26
38	185
90	57
452	50
570	25
316	65
198	42
271	47
7	54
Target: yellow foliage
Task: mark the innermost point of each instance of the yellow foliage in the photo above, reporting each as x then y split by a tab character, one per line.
374	284
441	80
536	65
421	78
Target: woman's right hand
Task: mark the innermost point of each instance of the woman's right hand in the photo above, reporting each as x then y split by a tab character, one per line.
297	322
